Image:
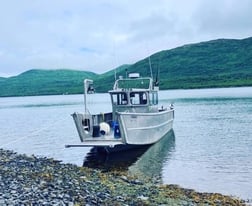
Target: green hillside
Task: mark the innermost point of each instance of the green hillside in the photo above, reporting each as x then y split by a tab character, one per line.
216	63
43	82
2	79
105	81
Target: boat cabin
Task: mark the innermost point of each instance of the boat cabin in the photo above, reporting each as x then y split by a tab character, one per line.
134	94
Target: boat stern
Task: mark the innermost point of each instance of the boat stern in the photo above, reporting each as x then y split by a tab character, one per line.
97	130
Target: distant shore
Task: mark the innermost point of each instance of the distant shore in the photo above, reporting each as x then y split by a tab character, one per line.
81	93
29	180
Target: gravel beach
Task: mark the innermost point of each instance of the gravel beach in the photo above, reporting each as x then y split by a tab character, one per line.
31	180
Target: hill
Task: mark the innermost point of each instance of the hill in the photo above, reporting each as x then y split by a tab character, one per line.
43	82
216	63
105	81
2	79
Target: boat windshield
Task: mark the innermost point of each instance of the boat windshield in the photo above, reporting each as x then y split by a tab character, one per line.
135	97
138	98
139	83
119	98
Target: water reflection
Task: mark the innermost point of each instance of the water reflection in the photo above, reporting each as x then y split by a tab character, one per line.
110	161
151	162
145	161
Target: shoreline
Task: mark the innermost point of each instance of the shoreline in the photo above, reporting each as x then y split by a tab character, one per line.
31	180
105	92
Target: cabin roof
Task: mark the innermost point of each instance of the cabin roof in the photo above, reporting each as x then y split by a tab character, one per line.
133	84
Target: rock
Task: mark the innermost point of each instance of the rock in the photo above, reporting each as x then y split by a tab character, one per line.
136	182
124	178
41	181
141	197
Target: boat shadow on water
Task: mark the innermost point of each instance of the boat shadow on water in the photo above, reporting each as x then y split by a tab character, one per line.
144	161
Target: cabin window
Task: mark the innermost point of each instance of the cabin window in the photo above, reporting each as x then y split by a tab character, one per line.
154	98
138	98
120	98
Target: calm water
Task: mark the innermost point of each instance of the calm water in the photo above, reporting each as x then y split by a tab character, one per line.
210	149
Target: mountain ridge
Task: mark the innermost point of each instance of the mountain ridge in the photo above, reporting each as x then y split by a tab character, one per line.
214	63
45	82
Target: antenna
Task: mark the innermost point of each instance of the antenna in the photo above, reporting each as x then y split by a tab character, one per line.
156	83
149	58
115	74
150	67
158	73
115	59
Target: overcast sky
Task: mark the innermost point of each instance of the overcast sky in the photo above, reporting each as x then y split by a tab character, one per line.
101	35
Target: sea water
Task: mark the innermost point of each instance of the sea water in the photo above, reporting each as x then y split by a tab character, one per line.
209	149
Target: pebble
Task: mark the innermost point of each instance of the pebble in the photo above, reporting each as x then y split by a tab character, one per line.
143	197
42	181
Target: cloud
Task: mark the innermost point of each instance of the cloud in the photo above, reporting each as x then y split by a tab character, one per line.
226	18
100	35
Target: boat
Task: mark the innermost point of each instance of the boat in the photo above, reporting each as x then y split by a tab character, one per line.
135	120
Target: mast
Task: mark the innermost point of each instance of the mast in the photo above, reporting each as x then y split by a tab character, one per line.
87	83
